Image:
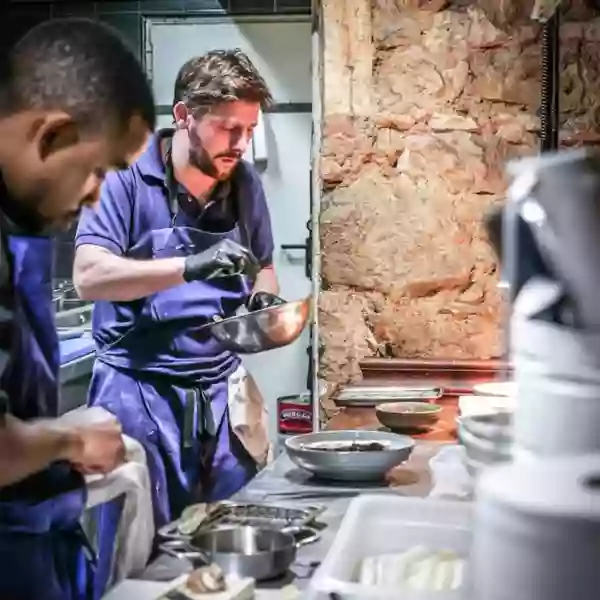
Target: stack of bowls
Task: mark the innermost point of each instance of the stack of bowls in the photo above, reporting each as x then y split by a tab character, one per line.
487	440
488	436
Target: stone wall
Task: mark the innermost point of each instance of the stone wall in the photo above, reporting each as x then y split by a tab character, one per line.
424	102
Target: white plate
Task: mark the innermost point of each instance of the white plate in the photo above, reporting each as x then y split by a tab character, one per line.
469	406
496	388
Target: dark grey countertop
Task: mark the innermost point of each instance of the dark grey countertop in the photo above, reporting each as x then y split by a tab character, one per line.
282	482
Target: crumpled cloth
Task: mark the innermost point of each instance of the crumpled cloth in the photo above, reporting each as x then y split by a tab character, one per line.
450	478
248	416
135	532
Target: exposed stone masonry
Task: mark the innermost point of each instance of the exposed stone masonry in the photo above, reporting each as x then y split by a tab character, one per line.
425	101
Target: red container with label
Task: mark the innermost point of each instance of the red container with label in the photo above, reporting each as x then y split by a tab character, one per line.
294	414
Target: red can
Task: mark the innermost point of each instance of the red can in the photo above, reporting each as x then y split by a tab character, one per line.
294	414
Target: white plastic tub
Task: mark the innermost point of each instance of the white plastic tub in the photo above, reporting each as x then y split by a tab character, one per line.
381	524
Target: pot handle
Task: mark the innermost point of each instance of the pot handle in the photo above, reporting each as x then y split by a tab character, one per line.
171	534
183	550
303	535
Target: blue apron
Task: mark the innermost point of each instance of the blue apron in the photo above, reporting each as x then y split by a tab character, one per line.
166	379
43	550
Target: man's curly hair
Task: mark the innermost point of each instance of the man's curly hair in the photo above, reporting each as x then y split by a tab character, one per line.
219	76
79	66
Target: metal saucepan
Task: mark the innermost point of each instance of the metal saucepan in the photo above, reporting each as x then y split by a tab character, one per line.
257	552
262	330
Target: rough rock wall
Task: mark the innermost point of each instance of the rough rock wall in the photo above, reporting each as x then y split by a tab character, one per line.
424	102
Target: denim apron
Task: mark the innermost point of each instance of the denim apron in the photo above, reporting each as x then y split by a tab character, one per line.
152	380
43	551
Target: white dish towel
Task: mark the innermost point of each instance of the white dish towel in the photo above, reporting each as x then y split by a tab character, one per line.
135	532
449	474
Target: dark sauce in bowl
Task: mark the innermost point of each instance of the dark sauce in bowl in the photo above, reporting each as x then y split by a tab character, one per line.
348	447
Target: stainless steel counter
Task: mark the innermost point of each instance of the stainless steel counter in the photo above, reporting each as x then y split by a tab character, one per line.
75	369
283	482
77	362
73	318
75	379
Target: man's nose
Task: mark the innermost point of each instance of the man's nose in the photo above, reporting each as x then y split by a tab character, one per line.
240	142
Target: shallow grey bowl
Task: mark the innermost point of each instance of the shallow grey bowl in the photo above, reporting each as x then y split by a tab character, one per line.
262	330
349	465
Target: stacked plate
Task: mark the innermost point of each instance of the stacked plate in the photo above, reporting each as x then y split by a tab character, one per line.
487	439
485	425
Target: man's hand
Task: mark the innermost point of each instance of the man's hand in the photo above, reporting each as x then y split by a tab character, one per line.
27	448
261	300
224	259
97	448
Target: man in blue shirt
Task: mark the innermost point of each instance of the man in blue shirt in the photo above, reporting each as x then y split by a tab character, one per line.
171	385
74	103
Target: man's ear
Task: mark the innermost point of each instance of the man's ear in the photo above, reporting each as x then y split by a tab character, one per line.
55	132
180	115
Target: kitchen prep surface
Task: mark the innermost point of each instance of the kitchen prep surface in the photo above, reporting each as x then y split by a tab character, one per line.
284	482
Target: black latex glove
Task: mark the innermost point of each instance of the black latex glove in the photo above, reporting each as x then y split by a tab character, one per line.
224	259
262	300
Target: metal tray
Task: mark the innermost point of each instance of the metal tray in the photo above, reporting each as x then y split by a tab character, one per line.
368	396
247	513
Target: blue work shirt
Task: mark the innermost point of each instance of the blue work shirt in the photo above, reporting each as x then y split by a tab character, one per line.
136	201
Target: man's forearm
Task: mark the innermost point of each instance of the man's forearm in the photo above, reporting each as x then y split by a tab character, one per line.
28	448
266	281
98	274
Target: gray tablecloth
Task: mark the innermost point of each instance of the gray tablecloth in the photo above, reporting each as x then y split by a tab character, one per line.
281	482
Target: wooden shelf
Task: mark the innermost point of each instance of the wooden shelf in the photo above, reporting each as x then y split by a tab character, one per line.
455	377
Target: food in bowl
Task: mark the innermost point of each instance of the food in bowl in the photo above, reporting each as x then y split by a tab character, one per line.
348	446
408	415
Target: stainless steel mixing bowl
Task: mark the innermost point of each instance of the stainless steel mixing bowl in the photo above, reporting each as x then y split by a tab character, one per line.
262	330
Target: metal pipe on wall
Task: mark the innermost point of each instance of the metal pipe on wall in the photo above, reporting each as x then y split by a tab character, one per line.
317	97
550	88
512	233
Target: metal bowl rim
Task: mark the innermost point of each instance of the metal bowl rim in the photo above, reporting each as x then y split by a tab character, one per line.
292	304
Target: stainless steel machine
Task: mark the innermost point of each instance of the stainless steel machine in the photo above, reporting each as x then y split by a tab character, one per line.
537	526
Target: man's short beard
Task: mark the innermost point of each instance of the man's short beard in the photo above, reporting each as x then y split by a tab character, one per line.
199	158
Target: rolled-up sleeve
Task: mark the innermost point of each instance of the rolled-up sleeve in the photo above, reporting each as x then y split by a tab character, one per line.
108	223
262	234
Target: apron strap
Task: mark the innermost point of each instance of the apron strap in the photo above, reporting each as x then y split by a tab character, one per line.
170	182
201	418
209	444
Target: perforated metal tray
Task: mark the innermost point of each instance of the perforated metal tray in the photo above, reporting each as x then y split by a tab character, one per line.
368	396
247	513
